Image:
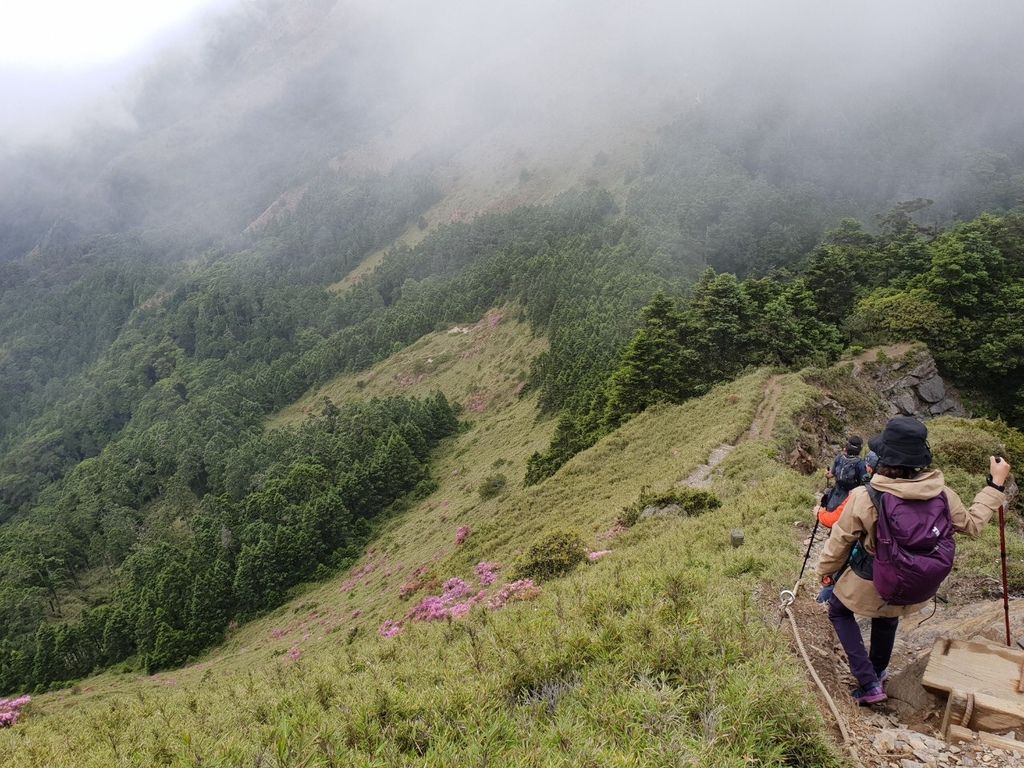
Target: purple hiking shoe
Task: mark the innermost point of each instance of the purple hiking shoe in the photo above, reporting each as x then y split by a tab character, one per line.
872	694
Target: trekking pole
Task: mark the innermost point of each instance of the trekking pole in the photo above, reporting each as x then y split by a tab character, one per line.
1006	584
814	533
1002	559
807	554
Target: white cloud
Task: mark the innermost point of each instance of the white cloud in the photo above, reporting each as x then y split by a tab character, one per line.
70	34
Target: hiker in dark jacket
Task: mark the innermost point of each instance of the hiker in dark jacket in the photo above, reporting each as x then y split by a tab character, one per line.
902	479
871	460
848	471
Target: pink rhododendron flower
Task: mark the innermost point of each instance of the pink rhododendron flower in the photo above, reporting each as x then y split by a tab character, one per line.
612	533
461	534
447	605
455	589
278	633
294	653
10	710
595	556
486	573
390	629
356	614
476	404
524	589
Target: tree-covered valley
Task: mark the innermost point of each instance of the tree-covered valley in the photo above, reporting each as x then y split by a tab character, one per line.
306	196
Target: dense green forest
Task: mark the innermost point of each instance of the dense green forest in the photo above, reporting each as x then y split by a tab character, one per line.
961	291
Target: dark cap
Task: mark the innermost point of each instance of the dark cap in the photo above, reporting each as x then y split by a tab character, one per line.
854	444
903	443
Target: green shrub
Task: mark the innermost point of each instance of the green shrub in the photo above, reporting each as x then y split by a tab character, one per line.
554	554
691	502
961	444
492	486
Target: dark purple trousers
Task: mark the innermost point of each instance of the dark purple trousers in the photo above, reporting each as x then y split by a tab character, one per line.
865	666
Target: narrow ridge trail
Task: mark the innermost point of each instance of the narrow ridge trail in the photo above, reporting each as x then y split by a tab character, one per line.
762	425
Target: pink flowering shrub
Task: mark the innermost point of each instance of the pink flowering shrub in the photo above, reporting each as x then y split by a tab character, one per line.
612	533
294	653
461	534
10	710
476	404
278	633
455	589
524	589
449	604
486	573
421	579
358	577
595	556
390	629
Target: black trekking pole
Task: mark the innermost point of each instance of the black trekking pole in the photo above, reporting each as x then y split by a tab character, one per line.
1002	557
814	533
807	554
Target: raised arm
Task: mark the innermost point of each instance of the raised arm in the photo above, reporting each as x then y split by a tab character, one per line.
970	520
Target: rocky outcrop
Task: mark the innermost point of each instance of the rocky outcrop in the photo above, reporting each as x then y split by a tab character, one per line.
911	385
900	380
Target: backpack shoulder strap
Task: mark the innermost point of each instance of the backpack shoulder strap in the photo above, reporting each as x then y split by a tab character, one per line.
876	498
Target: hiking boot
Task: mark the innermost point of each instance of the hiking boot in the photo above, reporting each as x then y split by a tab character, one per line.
883	678
872	694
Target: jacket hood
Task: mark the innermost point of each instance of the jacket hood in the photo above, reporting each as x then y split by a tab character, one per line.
926	485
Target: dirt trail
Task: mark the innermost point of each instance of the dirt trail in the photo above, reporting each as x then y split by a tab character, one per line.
767	412
762	426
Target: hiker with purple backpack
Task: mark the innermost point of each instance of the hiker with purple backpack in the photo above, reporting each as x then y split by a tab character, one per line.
893	546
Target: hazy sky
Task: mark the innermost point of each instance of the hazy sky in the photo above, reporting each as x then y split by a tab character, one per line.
58	57
71	34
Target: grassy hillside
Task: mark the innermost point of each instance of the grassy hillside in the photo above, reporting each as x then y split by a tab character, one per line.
658	650
657	653
483	366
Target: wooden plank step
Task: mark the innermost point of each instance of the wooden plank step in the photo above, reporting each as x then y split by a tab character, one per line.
982	712
972	667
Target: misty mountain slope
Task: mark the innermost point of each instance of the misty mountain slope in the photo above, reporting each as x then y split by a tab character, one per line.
605	631
623	209
268	94
655	649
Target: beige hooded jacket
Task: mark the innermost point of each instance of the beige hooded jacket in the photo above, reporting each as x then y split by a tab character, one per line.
858	521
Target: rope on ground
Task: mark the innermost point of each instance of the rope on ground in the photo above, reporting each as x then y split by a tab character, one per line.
788	598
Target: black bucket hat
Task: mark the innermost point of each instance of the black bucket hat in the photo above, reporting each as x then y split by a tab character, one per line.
903	443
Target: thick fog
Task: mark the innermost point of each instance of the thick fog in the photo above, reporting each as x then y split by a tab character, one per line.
213	125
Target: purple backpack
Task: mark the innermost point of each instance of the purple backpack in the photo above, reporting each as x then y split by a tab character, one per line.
913	547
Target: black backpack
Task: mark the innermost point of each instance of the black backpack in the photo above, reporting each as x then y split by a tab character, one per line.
850	471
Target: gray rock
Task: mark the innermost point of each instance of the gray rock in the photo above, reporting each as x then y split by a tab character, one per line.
932	390
665	511
925	369
906	404
948	405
